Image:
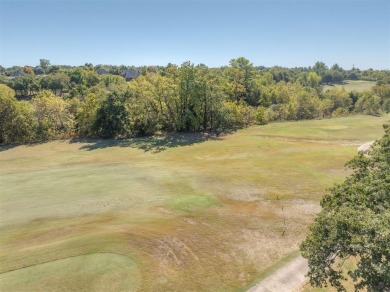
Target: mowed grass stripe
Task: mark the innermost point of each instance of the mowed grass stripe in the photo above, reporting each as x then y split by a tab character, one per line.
92	272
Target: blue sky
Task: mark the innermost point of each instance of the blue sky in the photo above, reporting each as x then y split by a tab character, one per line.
286	33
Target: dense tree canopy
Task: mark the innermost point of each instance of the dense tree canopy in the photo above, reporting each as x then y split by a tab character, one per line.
189	97
355	223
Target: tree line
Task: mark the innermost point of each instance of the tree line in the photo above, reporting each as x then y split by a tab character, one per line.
329	75
71	102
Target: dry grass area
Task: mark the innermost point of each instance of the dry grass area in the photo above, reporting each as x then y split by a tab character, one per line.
185	212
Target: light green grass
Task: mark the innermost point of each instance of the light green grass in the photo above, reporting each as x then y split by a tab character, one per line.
192	202
193	214
352	129
353	85
93	272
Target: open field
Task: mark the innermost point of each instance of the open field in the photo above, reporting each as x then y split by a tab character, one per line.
185	212
353	85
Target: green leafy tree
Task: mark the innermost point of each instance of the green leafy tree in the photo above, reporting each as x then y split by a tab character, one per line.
16	118
112	116
368	103
25	86
336	67
320	68
340	98
383	91
53	116
307	105
109	79
163	100
148	110
241	85
79	81
86	114
44	64
54	69
337	76
234	115
13	70
281	74
327	77
92	78
325	107
58	83
355	223
210	92
188	105
235	85
313	80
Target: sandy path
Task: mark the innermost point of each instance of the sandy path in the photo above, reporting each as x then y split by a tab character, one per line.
288	278
366	146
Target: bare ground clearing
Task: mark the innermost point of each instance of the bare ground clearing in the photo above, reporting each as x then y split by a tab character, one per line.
288	278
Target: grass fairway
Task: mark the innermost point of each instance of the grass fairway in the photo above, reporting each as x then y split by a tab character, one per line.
94	272
185	212
353	85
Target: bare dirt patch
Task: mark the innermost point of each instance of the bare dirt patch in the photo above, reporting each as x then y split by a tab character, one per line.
366	146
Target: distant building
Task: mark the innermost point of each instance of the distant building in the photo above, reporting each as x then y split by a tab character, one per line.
129	74
38	70
18	74
101	71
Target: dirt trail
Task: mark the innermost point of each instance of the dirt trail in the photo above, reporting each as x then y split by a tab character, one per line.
288	278
366	146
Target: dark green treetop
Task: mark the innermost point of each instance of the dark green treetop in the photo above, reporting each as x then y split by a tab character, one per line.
355	222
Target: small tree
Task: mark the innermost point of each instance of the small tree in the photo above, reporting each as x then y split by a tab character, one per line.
340	98
16	118
112	116
44	64
53	115
368	103
313	80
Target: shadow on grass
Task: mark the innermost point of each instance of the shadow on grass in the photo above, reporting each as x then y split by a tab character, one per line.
6	147
153	144
336	83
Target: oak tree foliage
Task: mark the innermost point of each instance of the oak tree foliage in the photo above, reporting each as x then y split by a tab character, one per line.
355	223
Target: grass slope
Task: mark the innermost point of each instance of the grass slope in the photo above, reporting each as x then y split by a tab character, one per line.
353	85
187	211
